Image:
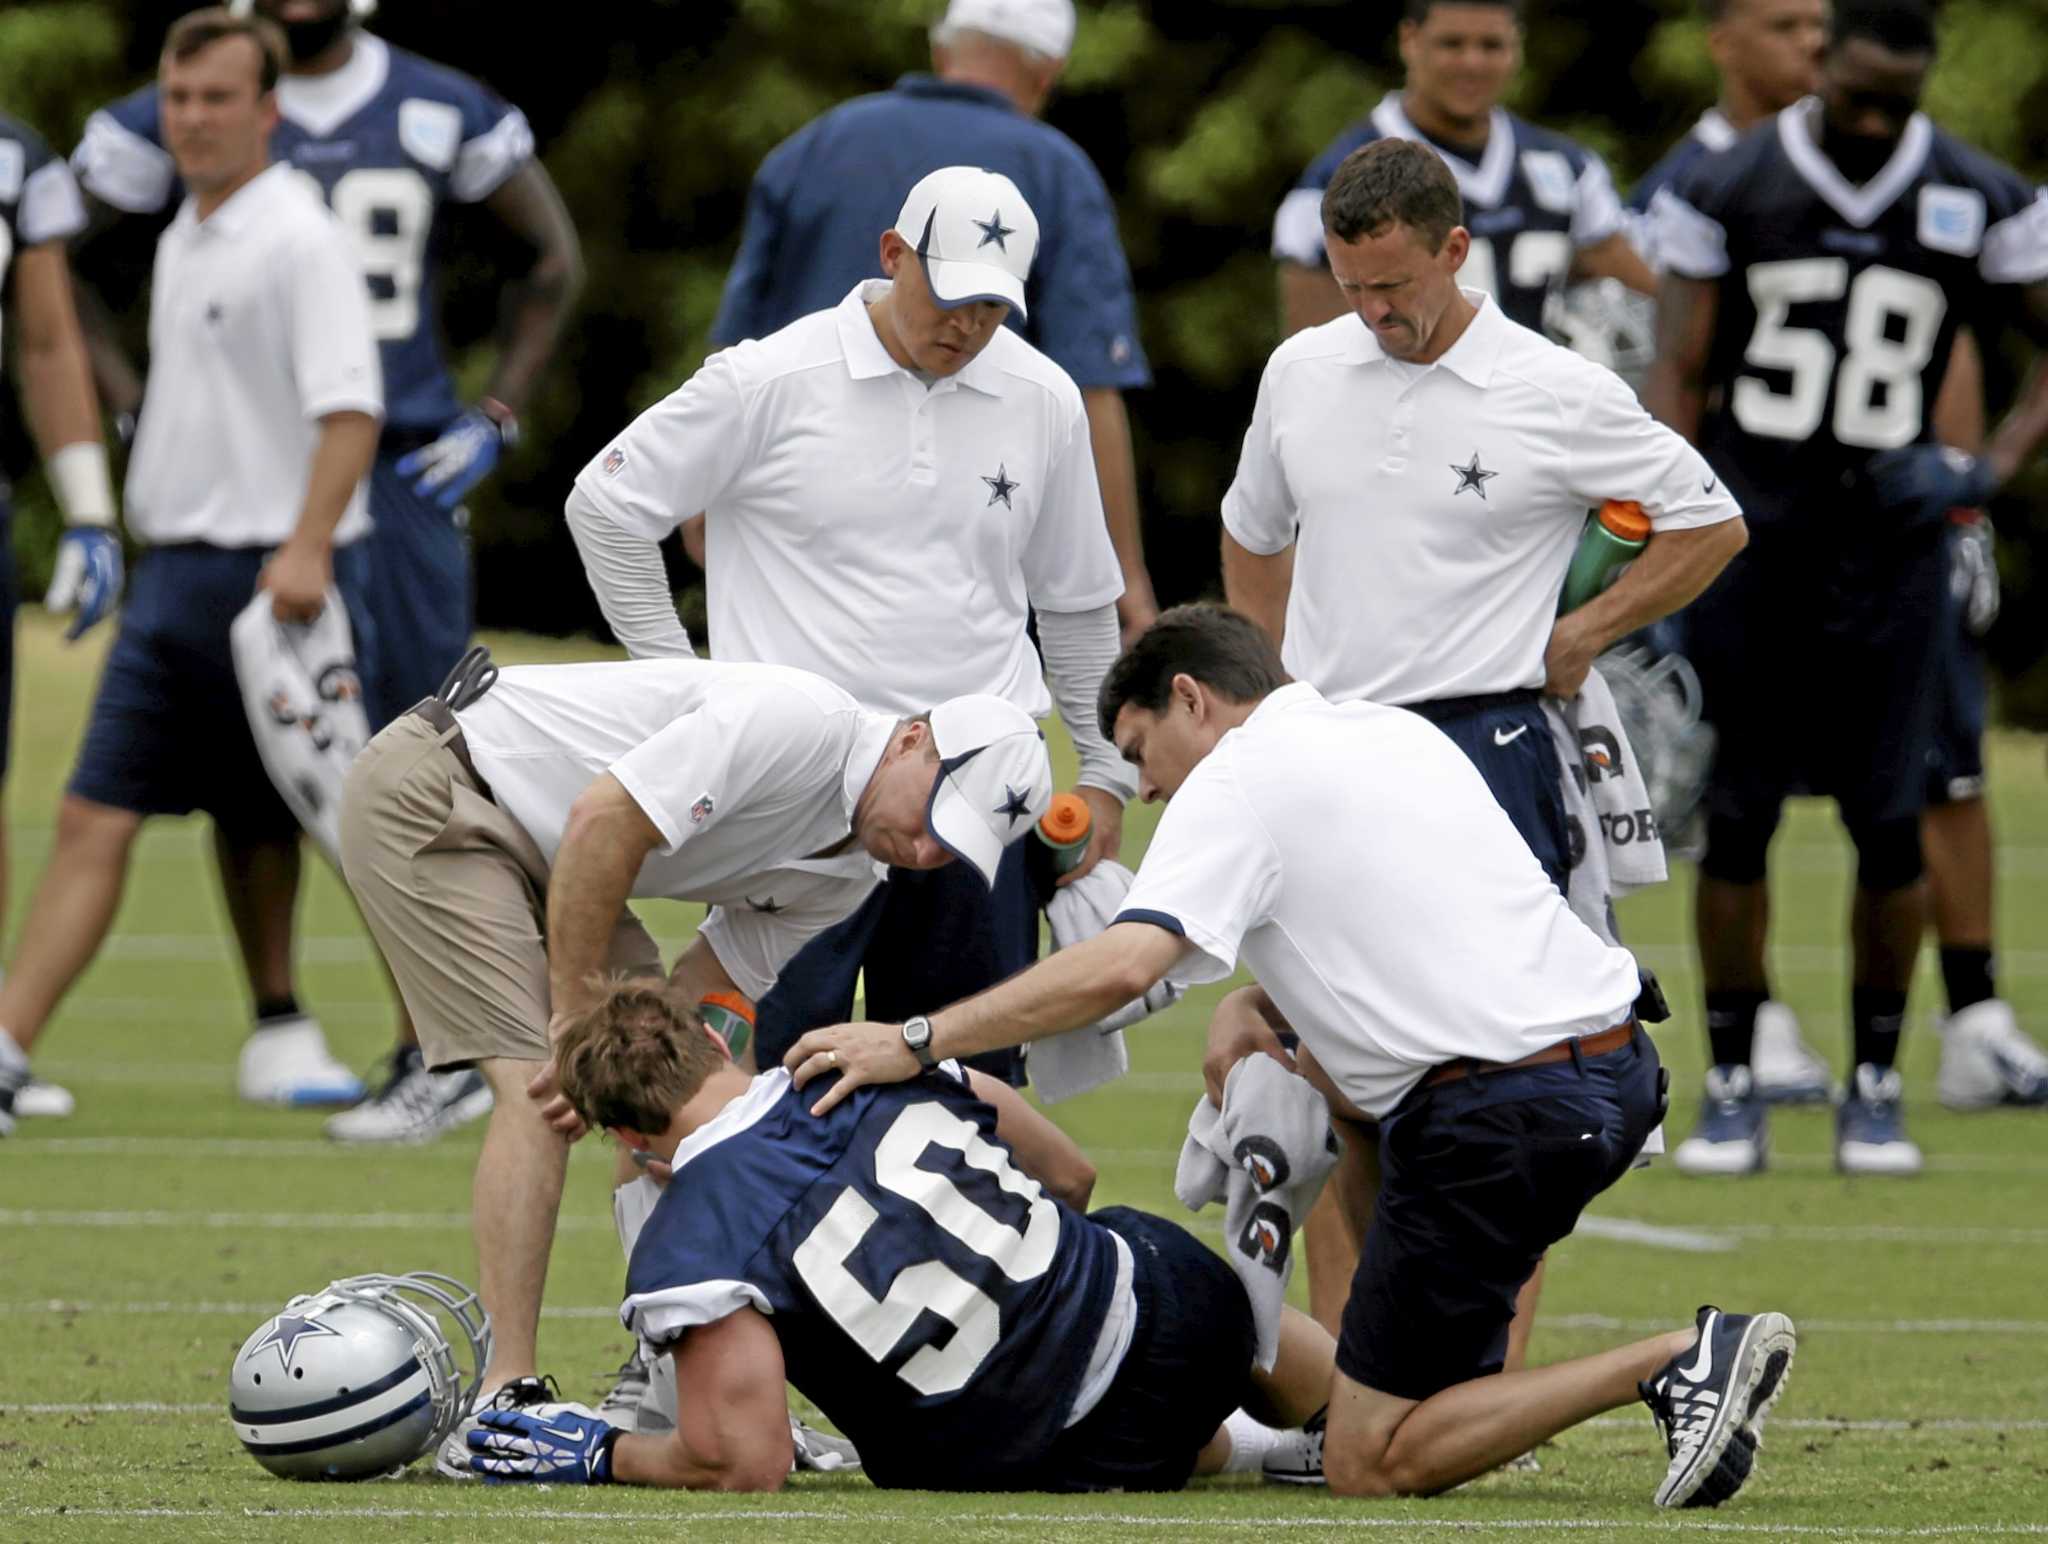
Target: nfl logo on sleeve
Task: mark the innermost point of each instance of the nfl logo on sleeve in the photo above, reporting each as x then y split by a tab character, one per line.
701	810
613	460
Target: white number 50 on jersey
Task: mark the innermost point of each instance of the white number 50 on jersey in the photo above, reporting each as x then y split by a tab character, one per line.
878	1325
389	210
1878	394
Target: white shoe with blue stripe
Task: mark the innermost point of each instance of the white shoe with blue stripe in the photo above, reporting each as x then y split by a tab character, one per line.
286	1061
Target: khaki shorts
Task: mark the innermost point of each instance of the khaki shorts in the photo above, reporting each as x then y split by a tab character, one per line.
455	893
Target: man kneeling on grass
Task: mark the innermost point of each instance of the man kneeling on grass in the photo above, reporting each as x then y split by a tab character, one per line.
917	1265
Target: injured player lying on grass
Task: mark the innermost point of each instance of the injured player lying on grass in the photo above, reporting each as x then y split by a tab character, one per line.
918	1266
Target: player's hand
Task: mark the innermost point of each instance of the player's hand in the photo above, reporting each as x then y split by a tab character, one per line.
1973	558
1237	1029
87	579
464	455
555	1108
1920	484
1105	831
562	1447
860	1053
1136	610
297	577
1568	657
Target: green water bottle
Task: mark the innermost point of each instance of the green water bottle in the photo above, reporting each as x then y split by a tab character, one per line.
1615	533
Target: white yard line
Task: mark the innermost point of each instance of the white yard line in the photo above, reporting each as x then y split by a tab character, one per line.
1655	1235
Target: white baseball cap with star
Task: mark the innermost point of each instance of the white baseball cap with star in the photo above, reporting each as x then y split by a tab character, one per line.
974	234
995	779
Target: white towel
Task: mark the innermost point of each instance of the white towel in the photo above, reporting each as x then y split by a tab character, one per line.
305	708
1266	1153
1095	1054
1615	846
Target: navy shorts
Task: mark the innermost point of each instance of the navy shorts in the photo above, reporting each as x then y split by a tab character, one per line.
419	591
1507	737
1478	1177
1819	657
168	734
924	938
1955	756
10	599
1188	1367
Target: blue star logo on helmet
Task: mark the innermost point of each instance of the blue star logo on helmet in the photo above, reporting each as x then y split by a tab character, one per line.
994	232
1015	804
285	1333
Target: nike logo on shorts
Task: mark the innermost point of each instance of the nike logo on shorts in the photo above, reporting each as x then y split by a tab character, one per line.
1509	736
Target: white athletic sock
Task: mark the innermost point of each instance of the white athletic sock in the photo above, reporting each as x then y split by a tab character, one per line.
11	1053
1250	1442
632	1204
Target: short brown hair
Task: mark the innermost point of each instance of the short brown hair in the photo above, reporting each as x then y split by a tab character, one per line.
200	30
1223	649
634	1057
1393	182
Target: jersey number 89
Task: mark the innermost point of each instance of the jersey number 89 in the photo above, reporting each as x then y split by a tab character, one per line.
878	1325
1878	394
389	212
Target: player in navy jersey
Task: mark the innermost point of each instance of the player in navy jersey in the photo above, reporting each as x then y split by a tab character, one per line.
39	211
1541	207
914	1263
1817	274
393	140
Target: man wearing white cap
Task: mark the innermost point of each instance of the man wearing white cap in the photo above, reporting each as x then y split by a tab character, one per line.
821	195
892	487
494	835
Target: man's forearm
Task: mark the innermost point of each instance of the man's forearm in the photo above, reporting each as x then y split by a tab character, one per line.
537	306
1116	474
1616	258
2020	432
1674	568
1258	584
628	578
56	372
669	1462
1076	986
588	887
341	460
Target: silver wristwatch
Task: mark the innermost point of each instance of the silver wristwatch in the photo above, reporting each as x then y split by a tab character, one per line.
917	1035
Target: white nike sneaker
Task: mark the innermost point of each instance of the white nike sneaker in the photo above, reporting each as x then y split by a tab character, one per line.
1986	1060
44	1101
1297	1458
413	1105
287	1062
1787	1069
536	1395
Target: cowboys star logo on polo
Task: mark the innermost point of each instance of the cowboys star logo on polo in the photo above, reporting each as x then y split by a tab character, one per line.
1263	1159
1001	487
285	1333
994	232
1472	476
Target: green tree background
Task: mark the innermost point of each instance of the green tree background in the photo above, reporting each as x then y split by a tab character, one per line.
653	114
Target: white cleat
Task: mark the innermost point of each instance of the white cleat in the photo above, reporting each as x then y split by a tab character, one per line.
1986	1060
414	1105
44	1101
287	1062
1787	1069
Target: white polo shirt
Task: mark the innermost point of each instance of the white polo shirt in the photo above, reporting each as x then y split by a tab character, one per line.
259	326
889	534
747	771
1436	507
1362	869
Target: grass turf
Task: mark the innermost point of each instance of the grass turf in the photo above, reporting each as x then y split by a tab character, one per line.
143	1239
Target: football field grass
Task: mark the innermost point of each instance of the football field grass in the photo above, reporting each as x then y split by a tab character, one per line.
143	1239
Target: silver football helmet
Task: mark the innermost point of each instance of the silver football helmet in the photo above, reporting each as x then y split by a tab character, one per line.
1607	322
1660	704
361	1378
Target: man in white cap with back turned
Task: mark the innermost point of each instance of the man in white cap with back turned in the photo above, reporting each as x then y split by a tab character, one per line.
892	487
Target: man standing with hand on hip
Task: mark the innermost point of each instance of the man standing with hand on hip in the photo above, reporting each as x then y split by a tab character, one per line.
257	427
892	488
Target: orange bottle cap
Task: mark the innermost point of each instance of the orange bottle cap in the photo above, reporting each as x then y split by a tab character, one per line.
1067	821
1625	518
731	1002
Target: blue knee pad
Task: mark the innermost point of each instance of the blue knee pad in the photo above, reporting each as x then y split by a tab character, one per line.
1887	853
1738	847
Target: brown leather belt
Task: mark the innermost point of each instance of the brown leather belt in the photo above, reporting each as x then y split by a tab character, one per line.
1601	1044
442	717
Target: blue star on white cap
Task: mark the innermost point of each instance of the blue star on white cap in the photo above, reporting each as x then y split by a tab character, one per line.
974	233
994	782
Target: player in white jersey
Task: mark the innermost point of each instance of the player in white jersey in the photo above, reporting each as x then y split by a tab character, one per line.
39	211
1356	862
893	489
494	836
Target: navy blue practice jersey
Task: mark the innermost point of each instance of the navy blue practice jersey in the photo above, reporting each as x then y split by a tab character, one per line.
1531	202
928	1297
1838	304
389	139
38	200
1711	135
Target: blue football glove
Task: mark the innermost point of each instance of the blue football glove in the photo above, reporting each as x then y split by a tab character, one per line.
462	457
87	578
1922	483
562	1447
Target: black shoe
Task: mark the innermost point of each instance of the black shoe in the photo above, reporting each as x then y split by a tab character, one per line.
1709	1403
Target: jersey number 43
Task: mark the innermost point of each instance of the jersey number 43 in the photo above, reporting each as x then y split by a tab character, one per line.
1888	337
